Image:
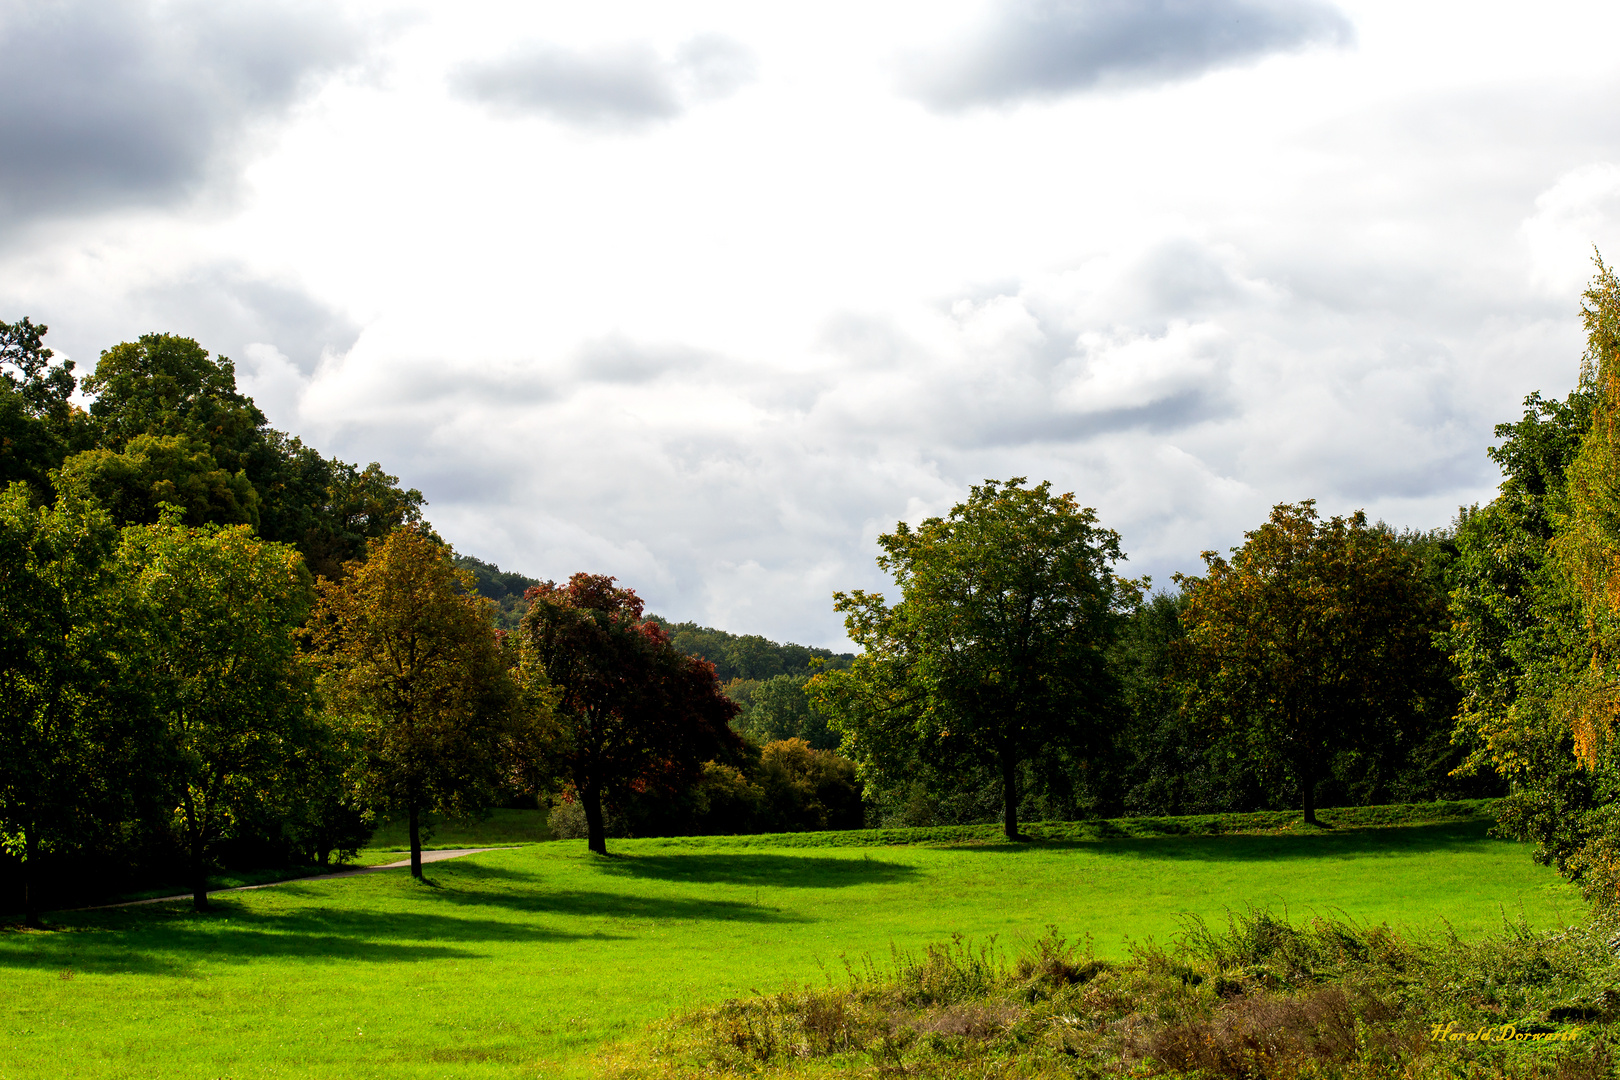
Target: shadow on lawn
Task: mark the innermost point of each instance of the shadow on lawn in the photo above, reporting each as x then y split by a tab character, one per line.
586	903
171	940
747	868
1451	836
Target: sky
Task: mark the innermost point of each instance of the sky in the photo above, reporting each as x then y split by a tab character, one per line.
707	296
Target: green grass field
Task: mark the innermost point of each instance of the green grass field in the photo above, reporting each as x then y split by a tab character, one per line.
523	962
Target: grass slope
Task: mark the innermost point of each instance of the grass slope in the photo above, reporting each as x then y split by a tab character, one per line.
525	961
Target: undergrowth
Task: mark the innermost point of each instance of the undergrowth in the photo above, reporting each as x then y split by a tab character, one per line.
1265	997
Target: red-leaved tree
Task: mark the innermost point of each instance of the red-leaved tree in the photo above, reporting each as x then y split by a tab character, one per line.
632	712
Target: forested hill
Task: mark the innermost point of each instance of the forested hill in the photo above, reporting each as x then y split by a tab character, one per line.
734	656
747	656
505	588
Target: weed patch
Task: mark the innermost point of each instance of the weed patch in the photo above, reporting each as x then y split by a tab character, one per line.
1263	998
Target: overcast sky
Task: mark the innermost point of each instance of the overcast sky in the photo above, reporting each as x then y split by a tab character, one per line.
708	295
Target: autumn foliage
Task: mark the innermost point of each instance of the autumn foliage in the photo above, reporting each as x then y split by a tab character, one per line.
631	712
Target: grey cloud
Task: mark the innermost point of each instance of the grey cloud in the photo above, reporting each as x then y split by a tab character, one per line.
227	308
713	66
621	86
107	103
619	360
1046	48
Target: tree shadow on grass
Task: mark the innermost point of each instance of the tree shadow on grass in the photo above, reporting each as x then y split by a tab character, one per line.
759	870
162	940
1337	843
585	903
170	939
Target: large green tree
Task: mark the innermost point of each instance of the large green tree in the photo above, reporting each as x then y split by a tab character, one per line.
995	651
217	611
632	711
58	731
414	669
1315	637
170	425
1540	632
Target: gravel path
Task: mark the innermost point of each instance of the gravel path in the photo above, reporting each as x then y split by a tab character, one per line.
427	857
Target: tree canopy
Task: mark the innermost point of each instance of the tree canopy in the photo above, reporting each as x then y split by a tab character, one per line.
413	666
996	650
216	611
632	711
1313	636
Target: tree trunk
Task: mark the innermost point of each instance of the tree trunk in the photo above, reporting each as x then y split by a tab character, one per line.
1009	789
595	831
31	879
416	840
199	869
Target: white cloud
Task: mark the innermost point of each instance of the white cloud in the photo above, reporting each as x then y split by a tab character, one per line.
719	357
1577	214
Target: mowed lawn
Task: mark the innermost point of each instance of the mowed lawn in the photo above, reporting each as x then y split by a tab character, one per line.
522	962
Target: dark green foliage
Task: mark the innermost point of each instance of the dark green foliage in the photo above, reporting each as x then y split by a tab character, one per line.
1518	636
328	509
38	424
61	731
1169	765
150	471
785	786
25	367
169	425
749	656
778	708
505	588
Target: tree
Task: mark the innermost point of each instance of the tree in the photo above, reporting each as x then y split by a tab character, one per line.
1543	640
806	789
996	650
25	366
170	425
163	384
1315	637
778	709
632	712
55	661
37	421
217	610
153	470
411	663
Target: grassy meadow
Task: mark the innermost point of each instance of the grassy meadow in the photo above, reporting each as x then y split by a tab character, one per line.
530	960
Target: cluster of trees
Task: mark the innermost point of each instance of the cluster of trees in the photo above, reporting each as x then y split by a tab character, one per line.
218	645
1325	661
1019	674
156	571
